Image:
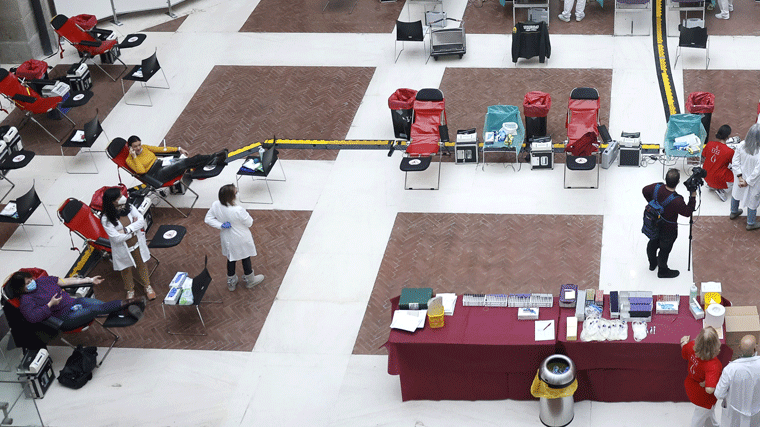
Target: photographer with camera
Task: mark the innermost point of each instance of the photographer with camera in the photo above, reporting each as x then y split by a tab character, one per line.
746	169
716	158
659	246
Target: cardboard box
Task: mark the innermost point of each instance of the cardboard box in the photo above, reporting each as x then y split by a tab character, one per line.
741	321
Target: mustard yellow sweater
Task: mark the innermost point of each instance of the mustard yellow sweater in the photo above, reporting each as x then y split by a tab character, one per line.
143	162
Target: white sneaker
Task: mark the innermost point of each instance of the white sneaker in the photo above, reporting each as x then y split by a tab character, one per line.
130	294
721	194
721	16
563	17
730	8
579	18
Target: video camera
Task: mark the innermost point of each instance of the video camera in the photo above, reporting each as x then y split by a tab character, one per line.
696	179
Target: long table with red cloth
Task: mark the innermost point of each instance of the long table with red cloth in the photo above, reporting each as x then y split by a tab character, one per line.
651	370
481	353
485	353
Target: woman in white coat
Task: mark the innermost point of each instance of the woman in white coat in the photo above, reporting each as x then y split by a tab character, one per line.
746	168
234	224
126	232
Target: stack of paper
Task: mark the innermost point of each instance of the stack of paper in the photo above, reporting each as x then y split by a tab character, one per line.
78	136
408	320
544	330
449	302
10	210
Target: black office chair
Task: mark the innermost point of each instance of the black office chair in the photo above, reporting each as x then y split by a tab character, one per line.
142	73
694	37
89	134
409	32
268	159
199	288
25	207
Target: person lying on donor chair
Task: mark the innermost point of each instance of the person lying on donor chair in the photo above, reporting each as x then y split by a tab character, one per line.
43	298
142	159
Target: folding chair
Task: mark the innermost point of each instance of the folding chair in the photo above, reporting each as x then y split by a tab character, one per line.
695	37
29	101
81	220
681	125
84	138
582	123
142	73
12	158
268	159
118	151
409	32
94	41
429	131
34	336
199	288
25	207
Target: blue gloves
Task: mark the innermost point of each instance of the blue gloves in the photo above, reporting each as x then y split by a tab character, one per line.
226	225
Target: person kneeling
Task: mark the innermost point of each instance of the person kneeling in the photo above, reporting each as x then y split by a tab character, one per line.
43	298
142	159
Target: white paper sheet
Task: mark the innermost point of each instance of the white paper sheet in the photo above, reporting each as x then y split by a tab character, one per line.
544	330
408	320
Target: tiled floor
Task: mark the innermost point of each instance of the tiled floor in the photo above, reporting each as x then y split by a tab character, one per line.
342	235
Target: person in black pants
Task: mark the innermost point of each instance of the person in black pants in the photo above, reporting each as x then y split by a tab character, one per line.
669	226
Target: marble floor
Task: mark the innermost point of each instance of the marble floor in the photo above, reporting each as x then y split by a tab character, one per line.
301	370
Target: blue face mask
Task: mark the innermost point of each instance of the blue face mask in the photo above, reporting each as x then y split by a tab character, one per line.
31	286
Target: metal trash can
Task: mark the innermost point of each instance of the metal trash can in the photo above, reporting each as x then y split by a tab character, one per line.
558	372
401	103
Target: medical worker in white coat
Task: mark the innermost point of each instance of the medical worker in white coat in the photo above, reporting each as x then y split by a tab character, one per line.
234	223
125	227
739	386
746	168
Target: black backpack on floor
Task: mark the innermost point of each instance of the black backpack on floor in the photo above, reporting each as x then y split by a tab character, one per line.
79	366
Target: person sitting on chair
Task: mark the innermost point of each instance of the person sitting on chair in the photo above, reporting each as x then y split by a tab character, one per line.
43	298
142	159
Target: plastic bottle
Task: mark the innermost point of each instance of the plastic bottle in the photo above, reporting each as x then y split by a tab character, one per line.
693	292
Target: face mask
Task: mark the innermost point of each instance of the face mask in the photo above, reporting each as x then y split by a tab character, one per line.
122	207
31	286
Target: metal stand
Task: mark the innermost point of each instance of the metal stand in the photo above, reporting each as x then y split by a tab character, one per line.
115	19
170	13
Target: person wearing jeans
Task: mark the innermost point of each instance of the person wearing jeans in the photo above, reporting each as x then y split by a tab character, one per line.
746	168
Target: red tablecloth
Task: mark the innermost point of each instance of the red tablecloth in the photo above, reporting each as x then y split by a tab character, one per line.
627	371
481	353
487	354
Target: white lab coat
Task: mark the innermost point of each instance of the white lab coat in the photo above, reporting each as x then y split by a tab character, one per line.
237	241
749	166
120	254
739	385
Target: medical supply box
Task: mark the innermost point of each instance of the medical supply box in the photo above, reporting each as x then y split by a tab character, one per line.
741	321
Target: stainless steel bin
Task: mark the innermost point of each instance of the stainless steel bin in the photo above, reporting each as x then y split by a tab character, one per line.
557	371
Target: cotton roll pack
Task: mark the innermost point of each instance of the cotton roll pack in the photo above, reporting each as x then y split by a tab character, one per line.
714	316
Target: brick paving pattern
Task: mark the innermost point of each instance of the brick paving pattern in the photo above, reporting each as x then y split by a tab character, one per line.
233	325
478	253
236	106
306	16
107	94
734	104
167	27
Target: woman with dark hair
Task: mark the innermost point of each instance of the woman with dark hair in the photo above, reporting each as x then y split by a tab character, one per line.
126	232
704	370
716	157
234	224
43	298
746	168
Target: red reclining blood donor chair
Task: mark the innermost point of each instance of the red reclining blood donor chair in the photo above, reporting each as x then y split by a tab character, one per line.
429	132
28	100
118	151
582	125
33	336
83	221
90	40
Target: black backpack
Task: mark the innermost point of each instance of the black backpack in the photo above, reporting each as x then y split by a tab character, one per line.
79	366
653	214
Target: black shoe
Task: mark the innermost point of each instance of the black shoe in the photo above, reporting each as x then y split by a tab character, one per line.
135	311
652	267
667	274
220	158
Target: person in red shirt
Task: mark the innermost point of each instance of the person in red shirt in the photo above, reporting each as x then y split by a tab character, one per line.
716	157
704	371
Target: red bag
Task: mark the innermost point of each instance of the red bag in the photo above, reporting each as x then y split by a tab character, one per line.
87	22
537	104
97	198
584	146
32	69
700	103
